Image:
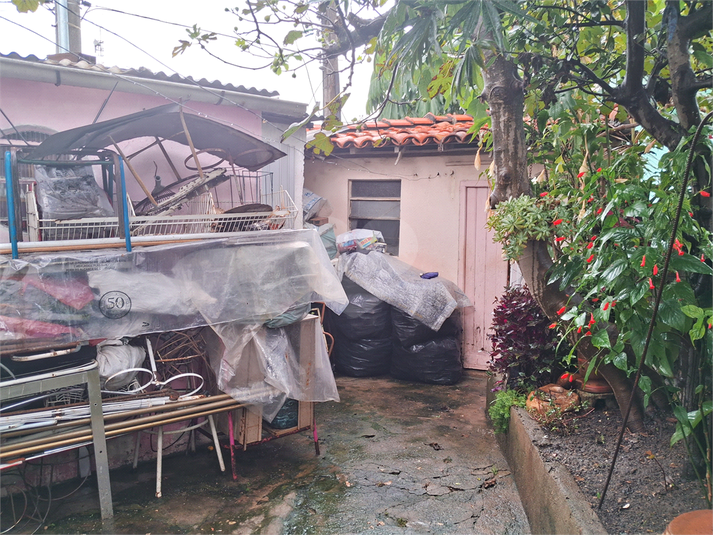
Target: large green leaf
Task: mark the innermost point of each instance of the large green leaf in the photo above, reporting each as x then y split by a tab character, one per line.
671	314
621	362
638	292
615	269
690	263
600	339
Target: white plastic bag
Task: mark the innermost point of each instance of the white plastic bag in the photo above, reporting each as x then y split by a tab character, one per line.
114	356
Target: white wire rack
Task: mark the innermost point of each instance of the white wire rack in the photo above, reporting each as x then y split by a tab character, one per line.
200	215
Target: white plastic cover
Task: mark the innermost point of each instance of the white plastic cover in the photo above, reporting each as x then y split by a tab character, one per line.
50	299
263	366
431	301
70	193
114	356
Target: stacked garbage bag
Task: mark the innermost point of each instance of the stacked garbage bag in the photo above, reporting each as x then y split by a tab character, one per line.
375	338
422	354
362	334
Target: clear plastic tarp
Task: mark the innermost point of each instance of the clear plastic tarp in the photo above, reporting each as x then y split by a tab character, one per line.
50	299
431	301
264	366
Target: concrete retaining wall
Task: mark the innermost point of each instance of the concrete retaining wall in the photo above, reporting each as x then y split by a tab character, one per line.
550	496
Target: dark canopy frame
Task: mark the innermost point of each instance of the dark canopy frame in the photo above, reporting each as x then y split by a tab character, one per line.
165	122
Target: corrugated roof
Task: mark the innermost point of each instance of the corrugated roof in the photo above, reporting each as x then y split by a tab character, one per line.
436	130
142	73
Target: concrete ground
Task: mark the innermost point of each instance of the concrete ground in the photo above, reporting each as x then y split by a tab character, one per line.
396	457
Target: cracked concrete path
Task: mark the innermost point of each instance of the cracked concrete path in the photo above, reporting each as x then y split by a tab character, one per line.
396	458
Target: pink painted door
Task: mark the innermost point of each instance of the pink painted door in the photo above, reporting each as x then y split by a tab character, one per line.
483	274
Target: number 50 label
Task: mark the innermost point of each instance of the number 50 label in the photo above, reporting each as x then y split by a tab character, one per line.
115	305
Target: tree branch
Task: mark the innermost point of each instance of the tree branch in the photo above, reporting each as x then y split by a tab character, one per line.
683	79
635	31
705	82
697	21
363	32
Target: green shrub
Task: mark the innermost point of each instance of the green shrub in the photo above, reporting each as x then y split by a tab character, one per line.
499	409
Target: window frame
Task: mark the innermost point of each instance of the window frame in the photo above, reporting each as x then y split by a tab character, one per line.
352	219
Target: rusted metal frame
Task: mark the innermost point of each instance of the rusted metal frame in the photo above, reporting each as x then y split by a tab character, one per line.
190	142
134	172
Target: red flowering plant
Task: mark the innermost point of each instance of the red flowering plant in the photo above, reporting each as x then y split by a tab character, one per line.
608	236
609	230
612	260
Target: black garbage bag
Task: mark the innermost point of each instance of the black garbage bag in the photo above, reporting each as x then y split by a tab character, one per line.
408	331
362	358
351	287
436	362
366	317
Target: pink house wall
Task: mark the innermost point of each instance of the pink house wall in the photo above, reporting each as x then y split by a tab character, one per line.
63	107
430	201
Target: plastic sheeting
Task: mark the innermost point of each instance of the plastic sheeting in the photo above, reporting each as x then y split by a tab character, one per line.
50	299
431	301
70	193
263	366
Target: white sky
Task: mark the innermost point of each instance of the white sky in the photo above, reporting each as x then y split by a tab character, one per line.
140	42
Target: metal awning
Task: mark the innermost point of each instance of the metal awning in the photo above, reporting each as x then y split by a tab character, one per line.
165	122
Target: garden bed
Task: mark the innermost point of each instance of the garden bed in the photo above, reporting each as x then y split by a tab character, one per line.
650	486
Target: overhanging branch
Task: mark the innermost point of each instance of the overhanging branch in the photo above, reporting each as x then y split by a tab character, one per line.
363	32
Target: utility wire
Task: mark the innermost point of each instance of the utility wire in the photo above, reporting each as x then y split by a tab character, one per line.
189	80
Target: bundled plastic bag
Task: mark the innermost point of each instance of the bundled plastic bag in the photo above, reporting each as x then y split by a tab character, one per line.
434	362
314	205
431	301
361	240
366	316
70	193
114	356
363	358
408	331
329	239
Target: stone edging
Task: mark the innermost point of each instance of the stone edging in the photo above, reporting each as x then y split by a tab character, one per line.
550	496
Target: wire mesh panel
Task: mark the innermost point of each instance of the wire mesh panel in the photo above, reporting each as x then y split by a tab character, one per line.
198	216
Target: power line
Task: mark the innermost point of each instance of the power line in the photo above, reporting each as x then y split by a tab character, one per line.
152	19
186	79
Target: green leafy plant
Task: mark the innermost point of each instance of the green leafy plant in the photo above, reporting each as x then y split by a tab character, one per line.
525	349
608	231
499	409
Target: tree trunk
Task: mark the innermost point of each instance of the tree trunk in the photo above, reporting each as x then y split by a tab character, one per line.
504	94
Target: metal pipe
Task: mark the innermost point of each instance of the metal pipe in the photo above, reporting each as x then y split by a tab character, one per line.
134	172
62	16
124	207
109	243
190	142
10	203
155	418
23	449
213	401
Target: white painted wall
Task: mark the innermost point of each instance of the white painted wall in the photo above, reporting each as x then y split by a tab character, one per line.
430	200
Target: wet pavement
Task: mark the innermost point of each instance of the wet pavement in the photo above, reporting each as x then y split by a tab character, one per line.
396	457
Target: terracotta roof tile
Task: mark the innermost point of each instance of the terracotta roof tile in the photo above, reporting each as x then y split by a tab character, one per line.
436	130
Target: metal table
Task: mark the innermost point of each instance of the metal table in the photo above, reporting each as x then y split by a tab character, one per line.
86	374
